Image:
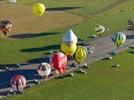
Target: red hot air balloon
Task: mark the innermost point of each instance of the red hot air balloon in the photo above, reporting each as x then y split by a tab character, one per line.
18	82
59	61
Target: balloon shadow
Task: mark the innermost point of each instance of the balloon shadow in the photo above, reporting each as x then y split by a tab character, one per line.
130	36
3	66
40	60
31	35
131	51
49	47
6	76
62	8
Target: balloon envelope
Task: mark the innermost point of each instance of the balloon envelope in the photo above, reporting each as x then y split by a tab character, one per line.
5	25
38	9
18	82
68	48
80	54
59	61
119	38
44	69
99	29
13	1
70	37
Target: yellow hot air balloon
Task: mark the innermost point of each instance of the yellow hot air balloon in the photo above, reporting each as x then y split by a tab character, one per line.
80	54
99	29
68	48
38	9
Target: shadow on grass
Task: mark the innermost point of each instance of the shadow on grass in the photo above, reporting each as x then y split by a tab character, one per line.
63	76
61	8
31	35
3	66
130	36
40	60
131	51
6	76
49	47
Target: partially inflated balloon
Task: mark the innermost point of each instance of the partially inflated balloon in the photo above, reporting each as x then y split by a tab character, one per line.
80	54
119	39
38	9
99	29
68	48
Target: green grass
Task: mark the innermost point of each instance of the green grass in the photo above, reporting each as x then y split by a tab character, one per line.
114	19
101	82
88	6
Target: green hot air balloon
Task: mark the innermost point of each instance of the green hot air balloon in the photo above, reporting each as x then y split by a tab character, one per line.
119	39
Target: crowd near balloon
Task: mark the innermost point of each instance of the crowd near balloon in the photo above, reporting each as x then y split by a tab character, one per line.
59	60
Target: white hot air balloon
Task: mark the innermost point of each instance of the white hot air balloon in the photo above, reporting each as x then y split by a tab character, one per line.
70	37
44	70
13	1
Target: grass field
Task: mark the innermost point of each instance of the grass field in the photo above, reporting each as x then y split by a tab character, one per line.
11	50
102	82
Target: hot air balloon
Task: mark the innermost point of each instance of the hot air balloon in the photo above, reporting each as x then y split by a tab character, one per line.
80	54
68	49
5	26
59	61
70	37
18	82
44	69
99	29
13	1
38	9
119	39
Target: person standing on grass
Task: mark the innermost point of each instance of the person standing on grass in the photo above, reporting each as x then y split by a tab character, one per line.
90	51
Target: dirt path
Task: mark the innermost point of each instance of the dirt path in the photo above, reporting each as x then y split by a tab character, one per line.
25	22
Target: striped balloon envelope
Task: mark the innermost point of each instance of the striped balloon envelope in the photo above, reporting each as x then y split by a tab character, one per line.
119	39
80	54
18	82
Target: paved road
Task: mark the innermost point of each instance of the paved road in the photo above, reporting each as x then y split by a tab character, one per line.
102	47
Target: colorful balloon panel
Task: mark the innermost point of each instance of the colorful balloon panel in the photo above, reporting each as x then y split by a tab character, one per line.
18	82
38	9
59	61
68	48
80	54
